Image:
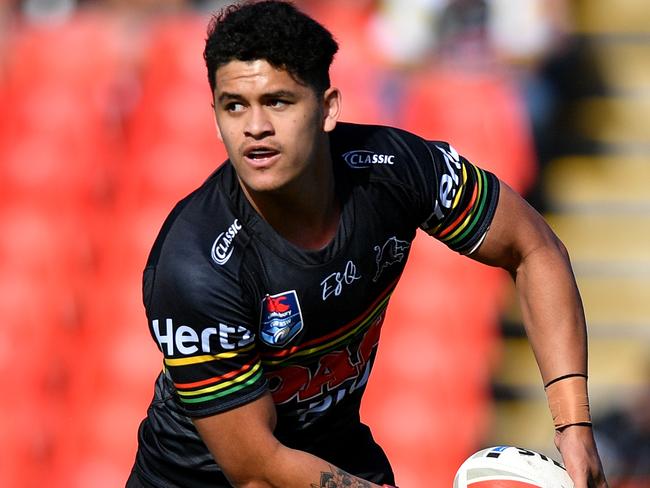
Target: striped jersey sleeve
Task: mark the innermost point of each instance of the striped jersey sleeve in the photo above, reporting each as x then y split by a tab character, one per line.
465	202
209	354
209	383
202	320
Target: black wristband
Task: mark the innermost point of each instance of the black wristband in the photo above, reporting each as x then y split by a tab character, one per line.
563	377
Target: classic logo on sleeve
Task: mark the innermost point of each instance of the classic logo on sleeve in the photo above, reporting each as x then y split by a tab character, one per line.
362	158
281	318
222	247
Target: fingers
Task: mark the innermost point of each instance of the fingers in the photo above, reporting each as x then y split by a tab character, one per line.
578	449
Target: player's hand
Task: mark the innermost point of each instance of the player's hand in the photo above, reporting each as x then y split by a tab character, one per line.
578	448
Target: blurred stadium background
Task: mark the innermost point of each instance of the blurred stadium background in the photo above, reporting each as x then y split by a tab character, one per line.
106	123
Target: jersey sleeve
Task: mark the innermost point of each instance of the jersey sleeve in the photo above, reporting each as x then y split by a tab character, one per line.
208	343
202	319
463	199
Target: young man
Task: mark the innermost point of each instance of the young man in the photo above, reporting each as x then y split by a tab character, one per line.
267	287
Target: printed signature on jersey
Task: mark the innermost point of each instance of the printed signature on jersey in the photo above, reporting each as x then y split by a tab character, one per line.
334	283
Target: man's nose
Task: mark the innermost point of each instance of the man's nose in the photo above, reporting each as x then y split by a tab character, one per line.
258	124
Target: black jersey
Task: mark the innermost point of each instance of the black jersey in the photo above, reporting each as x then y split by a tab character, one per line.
238	311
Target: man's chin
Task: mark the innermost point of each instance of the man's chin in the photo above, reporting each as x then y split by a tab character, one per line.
263	187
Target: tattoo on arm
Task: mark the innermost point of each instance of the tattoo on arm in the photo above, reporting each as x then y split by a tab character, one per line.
337	478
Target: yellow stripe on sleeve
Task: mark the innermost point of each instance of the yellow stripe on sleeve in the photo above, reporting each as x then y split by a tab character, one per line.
461	189
207	358
472	212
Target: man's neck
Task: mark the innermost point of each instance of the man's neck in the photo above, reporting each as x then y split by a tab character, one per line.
306	213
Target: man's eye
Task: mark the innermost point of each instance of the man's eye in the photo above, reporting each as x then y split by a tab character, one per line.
234	107
278	103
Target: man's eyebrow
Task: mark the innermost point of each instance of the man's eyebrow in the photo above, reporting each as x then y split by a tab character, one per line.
280	94
270	95
229	96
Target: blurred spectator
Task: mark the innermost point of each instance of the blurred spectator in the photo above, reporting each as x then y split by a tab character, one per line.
518	46
54	8
47	10
6	13
528	31
464	94
533	38
143	8
364	90
401	30
461	36
623	437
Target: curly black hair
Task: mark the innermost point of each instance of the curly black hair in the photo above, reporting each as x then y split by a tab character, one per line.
274	31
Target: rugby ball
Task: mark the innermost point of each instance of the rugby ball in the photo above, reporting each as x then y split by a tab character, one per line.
511	467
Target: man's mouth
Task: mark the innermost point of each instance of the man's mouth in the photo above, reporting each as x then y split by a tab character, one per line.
261	153
261	156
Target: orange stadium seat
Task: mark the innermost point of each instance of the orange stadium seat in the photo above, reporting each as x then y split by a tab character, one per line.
3	100
166	171
110	440
180	113
33	47
481	114
174	54
44	268
60	123
111	395
44	171
37	341
117	346
172	141
26	450
367	97
45	244
132	231
358	68
121	363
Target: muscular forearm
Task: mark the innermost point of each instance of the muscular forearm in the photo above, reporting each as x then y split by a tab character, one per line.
291	468
552	311
242	442
521	242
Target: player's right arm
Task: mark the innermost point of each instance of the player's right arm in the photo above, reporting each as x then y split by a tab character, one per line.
198	314
242	443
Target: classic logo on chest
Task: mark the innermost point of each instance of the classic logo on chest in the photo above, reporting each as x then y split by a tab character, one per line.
223	245
362	158
281	318
334	283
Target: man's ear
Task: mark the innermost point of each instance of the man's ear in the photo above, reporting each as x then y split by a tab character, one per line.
331	108
216	124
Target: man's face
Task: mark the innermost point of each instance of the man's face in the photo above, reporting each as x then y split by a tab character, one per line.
272	126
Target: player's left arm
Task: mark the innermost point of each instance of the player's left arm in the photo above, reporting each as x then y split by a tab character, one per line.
520	241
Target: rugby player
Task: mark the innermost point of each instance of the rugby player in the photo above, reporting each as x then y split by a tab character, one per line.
267	287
